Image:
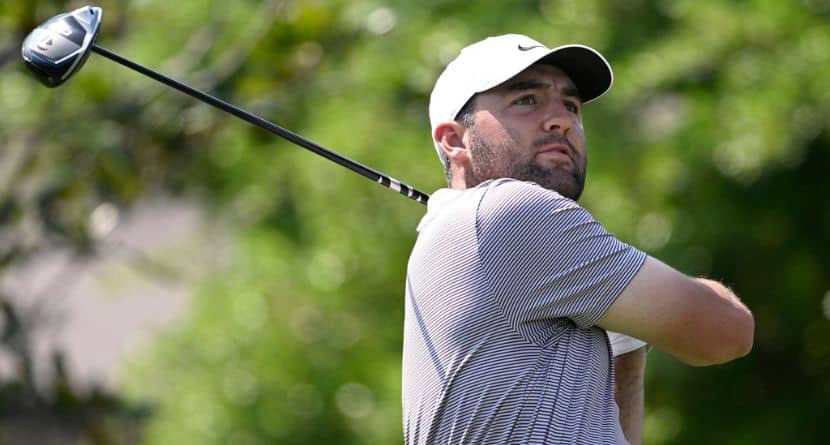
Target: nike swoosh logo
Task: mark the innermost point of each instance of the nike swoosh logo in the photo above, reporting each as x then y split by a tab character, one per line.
528	48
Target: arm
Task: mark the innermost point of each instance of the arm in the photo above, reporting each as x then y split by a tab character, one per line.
629	394
698	321
581	272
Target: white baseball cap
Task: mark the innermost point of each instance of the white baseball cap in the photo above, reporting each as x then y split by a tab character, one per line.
492	61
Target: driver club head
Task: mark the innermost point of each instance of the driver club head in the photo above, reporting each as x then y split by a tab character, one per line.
58	48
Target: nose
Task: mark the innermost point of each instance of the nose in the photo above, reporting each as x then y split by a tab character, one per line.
557	117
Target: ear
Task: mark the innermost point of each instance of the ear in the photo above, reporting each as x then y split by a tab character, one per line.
450	136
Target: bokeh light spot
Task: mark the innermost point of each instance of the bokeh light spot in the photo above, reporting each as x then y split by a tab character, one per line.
355	400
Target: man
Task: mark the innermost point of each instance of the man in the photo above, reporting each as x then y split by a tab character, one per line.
511	285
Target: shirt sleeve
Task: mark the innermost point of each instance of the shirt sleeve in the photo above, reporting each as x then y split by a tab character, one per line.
623	344
547	258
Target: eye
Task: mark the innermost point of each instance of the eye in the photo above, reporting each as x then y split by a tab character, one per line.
571	106
526	100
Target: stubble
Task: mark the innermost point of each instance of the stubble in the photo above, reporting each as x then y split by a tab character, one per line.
494	159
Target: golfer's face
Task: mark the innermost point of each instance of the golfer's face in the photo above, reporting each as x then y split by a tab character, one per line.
530	128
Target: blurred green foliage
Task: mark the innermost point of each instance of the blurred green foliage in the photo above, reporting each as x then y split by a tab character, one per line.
710	152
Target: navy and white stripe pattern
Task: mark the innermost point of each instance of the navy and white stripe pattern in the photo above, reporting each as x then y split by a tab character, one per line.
504	286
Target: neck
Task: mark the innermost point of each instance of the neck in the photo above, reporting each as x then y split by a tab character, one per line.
462	178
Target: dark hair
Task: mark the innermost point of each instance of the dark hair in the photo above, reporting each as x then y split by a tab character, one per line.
465	118
465	115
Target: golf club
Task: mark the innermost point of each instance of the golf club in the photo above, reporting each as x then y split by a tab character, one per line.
58	48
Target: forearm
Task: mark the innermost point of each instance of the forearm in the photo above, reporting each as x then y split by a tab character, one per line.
629	393
723	291
736	327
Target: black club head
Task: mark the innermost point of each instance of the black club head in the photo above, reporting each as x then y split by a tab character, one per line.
58	48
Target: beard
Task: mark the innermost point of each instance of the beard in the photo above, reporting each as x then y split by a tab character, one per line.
499	159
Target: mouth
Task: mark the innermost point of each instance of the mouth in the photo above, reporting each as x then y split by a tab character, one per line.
555	150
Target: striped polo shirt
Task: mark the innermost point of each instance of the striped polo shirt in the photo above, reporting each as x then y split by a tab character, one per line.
504	287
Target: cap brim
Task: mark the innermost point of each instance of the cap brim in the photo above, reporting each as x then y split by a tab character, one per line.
589	71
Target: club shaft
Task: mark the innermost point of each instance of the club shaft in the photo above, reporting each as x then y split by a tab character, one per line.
372	174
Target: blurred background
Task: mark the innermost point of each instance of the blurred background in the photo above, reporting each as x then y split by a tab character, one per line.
170	274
